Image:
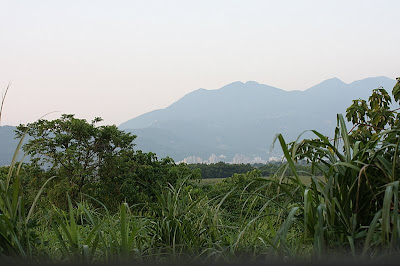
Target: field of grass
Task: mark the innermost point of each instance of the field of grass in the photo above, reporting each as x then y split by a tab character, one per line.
245	217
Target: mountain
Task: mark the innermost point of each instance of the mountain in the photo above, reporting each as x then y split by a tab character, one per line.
8	144
243	118
239	118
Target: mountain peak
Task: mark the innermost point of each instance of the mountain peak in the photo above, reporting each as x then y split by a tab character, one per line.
332	81
327	84
236	84
251	83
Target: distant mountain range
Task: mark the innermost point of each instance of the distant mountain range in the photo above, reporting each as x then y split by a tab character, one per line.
239	118
243	118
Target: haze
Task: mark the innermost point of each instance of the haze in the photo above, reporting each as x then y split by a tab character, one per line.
120	59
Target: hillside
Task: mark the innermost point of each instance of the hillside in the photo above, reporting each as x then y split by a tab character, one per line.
243	118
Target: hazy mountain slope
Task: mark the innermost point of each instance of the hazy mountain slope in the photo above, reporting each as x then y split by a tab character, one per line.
8	144
244	117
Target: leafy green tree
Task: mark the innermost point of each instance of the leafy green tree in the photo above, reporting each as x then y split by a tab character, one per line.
373	117
139	179
96	160
76	151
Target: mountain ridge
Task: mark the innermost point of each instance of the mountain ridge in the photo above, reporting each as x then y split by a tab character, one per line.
240	116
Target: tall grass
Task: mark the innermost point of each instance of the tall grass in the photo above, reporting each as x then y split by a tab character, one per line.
355	205
17	222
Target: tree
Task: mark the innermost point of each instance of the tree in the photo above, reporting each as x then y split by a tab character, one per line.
75	150
370	119
96	160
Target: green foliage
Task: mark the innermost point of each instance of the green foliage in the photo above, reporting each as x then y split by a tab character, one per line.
139	178
396	90
17	222
74	244
95	160
225	170
74	149
221	169
372	118
184	225
353	202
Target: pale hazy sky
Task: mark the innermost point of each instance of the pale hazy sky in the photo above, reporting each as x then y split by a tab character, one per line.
119	59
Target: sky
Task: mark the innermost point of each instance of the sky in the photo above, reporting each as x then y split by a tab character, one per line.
119	59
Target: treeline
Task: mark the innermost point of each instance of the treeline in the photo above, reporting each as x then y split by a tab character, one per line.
225	170
221	169
82	158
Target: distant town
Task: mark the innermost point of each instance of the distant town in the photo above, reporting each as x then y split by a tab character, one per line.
237	159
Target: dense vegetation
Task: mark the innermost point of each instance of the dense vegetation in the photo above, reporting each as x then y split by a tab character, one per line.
97	161
220	169
88	196
224	170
